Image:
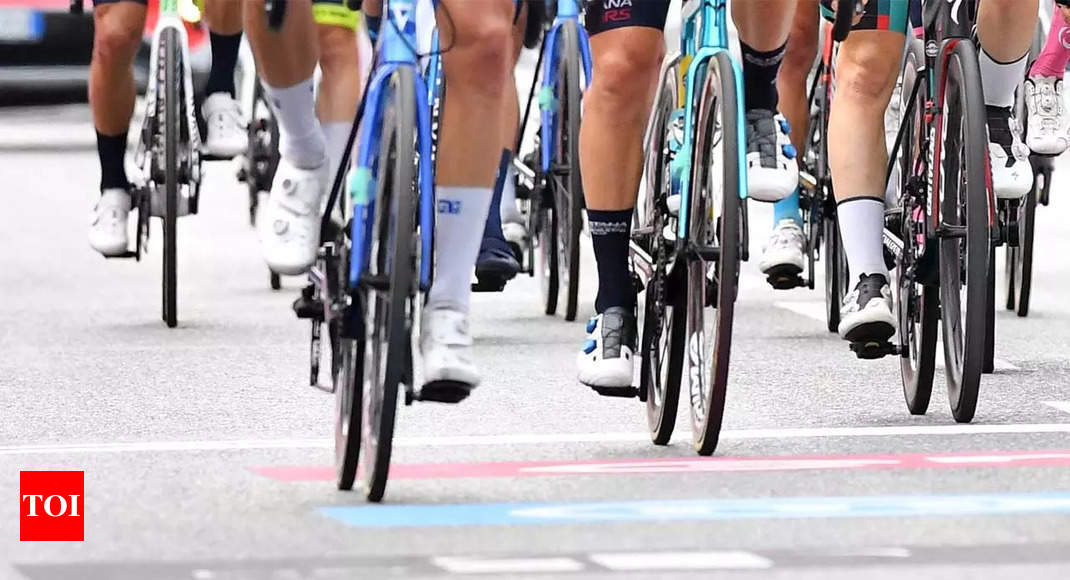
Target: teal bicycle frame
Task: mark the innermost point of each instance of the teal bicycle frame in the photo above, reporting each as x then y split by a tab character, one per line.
704	35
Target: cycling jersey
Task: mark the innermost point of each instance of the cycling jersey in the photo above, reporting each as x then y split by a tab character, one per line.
331	13
605	15
893	15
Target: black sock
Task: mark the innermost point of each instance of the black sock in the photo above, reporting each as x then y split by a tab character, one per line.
224	60
610	232
759	77
112	152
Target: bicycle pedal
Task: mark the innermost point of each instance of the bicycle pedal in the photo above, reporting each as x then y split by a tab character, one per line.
786	282
489	284
308	308
209	157
872	350
123	256
617	392
449	392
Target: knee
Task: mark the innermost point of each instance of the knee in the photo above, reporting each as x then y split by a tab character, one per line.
866	76
625	71
338	50
481	59
115	39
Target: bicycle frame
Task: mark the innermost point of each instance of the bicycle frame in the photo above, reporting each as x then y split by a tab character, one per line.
397	48
169	18
704	35
567	11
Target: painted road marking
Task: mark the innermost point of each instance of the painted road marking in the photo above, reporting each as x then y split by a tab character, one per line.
688	465
531	439
653	561
768	508
507	565
1060	405
815	310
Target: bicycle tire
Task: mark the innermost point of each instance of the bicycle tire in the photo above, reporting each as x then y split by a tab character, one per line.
565	167
170	105
1019	262
663	327
845	14
965	137
917	304
832	246
707	404
387	361
545	238
347	356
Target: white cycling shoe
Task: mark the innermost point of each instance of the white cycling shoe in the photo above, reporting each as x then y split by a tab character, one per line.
446	348
772	171
784	254
1047	129
107	223
227	132
1012	175
866	313
290	225
607	360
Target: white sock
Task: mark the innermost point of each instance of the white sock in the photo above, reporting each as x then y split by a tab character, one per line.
509	211
336	134
862	230
462	214
999	80
301	140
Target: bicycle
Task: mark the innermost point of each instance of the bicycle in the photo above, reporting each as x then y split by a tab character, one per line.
552	188
942	228
168	151
259	163
370	278
689	260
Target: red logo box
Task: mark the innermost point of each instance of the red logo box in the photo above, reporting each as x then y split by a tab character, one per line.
51	506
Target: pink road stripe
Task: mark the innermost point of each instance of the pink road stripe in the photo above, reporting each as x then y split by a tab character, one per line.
690	465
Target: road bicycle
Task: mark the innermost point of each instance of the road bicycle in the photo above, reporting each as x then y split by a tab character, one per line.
943	227
168	150
688	260
371	277
551	189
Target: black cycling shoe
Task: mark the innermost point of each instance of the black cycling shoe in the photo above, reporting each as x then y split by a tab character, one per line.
495	266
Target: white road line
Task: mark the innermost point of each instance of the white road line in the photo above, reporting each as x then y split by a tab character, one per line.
1060	405
815	309
533	439
651	561
507	565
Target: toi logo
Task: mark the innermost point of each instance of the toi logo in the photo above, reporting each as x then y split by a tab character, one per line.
51	504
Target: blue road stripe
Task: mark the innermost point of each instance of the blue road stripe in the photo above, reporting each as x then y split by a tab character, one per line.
699	510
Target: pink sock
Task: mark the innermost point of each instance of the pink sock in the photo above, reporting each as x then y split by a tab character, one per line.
1052	60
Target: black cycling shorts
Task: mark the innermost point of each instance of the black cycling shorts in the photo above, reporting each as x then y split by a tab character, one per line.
605	15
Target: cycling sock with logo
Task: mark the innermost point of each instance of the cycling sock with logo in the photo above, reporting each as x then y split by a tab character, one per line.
336	133
862	230
112	152
462	212
759	77
788	209
224	60
610	233
1000	79
301	140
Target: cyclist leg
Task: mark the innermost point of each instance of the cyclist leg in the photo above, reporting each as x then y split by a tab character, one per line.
784	254
497	263
1048	127
341	78
772	169
227	134
118	28
477	71
1005	29
286	60
867	69
628	46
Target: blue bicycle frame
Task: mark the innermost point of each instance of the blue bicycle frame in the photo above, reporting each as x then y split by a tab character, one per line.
704	35
397	48
568	11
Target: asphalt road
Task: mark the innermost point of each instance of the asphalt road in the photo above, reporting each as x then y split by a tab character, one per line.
206	456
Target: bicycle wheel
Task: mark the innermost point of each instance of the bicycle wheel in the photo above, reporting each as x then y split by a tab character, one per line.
917	305
544	221
713	272
170	110
663	322
565	166
388	284
832	254
965	244
347	357
1019	263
